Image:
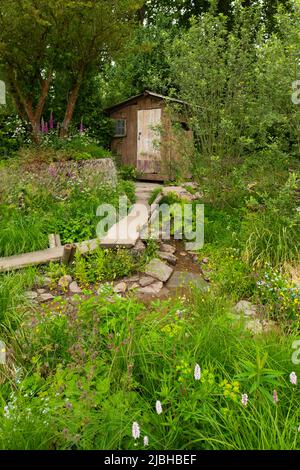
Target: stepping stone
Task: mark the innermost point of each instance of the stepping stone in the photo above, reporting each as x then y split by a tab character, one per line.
186	279
74	288
154	289
139	247
246	308
146	281
134	286
132	279
120	288
46	281
41	291
168	257
159	270
165	248
65	281
31	295
46	297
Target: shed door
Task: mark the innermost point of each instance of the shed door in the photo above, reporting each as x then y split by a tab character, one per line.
148	141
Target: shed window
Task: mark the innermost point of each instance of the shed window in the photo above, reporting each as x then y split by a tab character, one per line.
120	129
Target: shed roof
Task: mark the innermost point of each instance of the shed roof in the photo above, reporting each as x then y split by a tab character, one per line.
141	95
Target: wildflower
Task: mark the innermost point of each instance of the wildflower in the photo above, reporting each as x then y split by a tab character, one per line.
299	429
146	441
197	372
135	430
244	399
275	397
158	407
293	378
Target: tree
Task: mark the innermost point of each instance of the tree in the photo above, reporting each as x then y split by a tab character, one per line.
43	42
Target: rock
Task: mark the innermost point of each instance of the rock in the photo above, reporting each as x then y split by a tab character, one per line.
41	291
65	281
154	289
183	253
159	270
132	279
246	308
74	288
46	297
31	295
165	248
134	286
255	326
146	281
185	279
46	281
168	257
120	288
139	247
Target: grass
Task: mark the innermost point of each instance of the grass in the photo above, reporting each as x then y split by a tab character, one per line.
141	357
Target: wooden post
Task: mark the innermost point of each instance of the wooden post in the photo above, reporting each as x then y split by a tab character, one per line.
72	254
66	254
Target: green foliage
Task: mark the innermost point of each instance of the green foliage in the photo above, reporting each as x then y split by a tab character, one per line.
128	172
279	295
92	367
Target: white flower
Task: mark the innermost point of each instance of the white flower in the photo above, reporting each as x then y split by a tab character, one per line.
158	407
135	430
244	399
197	372
293	378
146	441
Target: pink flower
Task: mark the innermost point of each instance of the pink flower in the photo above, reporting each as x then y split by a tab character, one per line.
158	407
146	441
293	378
244	399
275	397
51	122
197	372
135	430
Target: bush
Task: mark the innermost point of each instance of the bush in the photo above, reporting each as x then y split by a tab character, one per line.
12	135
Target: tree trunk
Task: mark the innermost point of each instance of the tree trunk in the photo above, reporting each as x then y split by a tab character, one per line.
70	108
24	104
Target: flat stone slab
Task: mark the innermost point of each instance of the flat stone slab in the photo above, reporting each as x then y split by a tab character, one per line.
185	279
153	289
159	270
168	257
165	248
146	281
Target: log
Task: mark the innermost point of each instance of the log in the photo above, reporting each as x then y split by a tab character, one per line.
66	254
72	254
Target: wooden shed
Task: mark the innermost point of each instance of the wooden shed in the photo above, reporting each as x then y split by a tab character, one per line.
144	135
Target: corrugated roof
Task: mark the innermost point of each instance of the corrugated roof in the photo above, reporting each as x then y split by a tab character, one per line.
145	93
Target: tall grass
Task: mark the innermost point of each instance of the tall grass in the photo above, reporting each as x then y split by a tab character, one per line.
134	356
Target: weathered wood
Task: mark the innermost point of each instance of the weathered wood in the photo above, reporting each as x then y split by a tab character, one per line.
52	242
31	259
72	254
67	250
57	240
